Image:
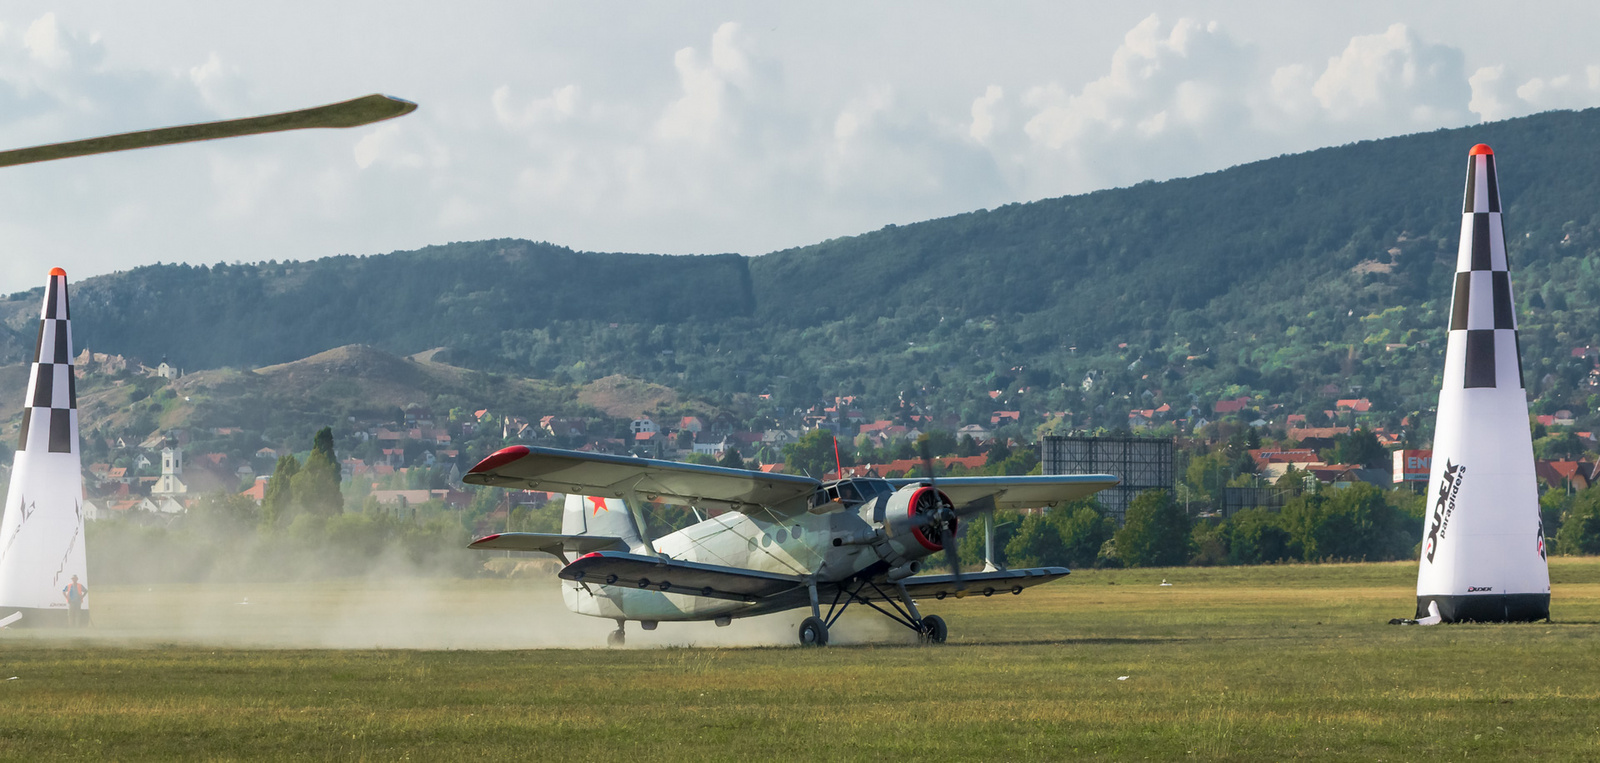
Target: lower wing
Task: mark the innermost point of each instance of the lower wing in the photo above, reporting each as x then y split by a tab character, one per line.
972	583
715	581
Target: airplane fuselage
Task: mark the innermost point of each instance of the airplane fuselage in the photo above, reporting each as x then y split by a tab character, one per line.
836	540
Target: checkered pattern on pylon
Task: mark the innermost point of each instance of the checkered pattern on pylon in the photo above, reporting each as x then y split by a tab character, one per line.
1482	307
52	387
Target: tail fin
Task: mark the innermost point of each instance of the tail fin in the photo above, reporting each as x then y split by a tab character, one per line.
594	515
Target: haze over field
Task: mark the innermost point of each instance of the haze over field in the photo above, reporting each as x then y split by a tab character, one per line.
720	127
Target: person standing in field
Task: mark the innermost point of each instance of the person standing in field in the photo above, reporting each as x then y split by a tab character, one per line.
74	593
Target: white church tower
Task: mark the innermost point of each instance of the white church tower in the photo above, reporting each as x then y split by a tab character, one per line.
41	534
1483	549
171	480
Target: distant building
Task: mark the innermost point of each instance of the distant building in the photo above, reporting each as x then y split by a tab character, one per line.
171	480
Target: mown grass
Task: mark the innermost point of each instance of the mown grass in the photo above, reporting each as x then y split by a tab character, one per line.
1268	663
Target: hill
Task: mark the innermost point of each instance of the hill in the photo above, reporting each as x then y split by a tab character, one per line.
1282	279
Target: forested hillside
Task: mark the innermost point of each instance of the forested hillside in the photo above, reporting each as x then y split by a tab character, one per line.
1273	279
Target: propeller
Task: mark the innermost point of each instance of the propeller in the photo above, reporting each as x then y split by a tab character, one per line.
943	517
352	113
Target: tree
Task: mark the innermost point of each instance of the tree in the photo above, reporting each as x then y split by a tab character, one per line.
731	459
316	486
971	546
322	443
1156	532
1208	474
1580	528
1353	523
938	442
1257	536
811	455
279	495
224	516
1359	447
1084	528
1037	543
1553	507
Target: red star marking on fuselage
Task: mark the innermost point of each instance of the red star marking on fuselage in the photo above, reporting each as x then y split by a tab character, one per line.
599	504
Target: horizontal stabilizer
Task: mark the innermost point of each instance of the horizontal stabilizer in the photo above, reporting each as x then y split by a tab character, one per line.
549	543
618	568
976	583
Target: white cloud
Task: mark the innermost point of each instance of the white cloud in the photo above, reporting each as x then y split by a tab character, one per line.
219	85
45	43
703	113
985	113
560	105
1397	80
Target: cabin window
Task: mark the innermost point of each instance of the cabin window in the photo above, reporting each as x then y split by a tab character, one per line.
783	535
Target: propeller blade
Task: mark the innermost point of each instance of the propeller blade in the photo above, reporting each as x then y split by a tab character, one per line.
353	113
943	515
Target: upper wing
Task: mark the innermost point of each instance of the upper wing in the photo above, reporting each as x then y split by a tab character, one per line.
674	576
970	494
570	471
548	543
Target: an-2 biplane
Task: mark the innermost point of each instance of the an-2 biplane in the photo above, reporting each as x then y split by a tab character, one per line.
781	542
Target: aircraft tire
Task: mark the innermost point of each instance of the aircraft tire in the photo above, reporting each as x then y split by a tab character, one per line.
813	632
616	638
934	630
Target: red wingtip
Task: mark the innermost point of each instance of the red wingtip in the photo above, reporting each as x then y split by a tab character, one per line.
1481	148
484	539
500	458
57	272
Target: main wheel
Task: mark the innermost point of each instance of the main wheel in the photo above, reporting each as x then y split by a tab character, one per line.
616	638
813	632
933	630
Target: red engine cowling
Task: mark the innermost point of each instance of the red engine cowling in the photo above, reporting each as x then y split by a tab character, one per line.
909	520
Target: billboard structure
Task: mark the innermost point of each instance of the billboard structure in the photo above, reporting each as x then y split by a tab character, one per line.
1142	463
1412	465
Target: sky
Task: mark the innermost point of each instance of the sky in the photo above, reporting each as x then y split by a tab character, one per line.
708	127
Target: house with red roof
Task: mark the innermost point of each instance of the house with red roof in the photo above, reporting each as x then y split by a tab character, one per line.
1231	406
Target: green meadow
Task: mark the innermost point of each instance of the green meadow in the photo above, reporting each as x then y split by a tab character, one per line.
1256	663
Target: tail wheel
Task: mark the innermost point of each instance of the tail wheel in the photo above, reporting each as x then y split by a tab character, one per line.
813	632
933	630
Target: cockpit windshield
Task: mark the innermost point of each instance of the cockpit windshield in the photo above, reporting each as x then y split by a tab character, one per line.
851	492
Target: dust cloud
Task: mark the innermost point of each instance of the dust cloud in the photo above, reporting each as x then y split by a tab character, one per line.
397	608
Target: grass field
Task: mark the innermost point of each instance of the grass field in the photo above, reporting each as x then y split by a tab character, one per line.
1267	663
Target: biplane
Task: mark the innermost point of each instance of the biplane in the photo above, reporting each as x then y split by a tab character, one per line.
764	542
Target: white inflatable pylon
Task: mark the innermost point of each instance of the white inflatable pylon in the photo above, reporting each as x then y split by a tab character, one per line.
41	533
1483	549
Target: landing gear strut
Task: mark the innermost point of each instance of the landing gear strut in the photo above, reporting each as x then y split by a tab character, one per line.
930	629
617	637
